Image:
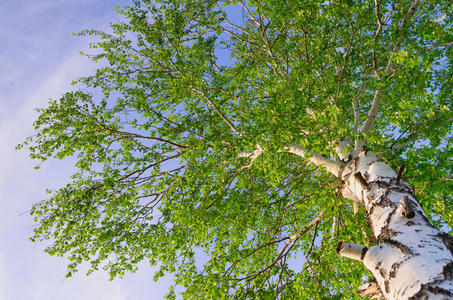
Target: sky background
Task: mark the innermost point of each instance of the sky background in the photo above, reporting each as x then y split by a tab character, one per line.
39	58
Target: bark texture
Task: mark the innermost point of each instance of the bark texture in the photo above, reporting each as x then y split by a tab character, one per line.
412	258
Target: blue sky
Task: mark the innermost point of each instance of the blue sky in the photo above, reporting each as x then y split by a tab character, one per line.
38	60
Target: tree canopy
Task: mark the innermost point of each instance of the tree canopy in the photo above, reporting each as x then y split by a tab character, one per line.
181	139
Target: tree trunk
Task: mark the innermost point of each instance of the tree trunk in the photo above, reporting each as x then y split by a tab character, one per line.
412	258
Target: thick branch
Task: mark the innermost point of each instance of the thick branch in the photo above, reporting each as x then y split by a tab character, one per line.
373	112
253	155
334	167
355	108
307	228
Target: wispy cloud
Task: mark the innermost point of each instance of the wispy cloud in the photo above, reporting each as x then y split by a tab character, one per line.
19	177
39	58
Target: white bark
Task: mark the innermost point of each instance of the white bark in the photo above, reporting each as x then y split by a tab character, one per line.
253	155
373	112
331	166
343	148
412	259
376	104
351	251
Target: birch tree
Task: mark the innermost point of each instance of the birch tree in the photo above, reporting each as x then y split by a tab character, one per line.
260	149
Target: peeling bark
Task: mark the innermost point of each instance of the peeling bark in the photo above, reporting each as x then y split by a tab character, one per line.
413	259
370	290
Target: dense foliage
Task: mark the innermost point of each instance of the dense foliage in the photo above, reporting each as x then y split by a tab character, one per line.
185	89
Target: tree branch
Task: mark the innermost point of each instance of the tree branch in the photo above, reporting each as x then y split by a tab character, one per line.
291	240
355	108
396	47
254	155
129	134
216	108
334	167
249	12
372	113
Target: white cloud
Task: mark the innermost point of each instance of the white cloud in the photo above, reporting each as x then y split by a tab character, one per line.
40	60
20	185
16	172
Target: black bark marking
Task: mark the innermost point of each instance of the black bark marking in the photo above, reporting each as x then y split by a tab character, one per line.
438	290
340	246
433	287
448	271
377	267
371	210
341	172
411	223
410	188
389	232
361	180
403	248
408	210
393	270
404	291
389	217
364	251
387	286
400	172
440	239
384	198
385	234
368	220
447	240
383	184
401	189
